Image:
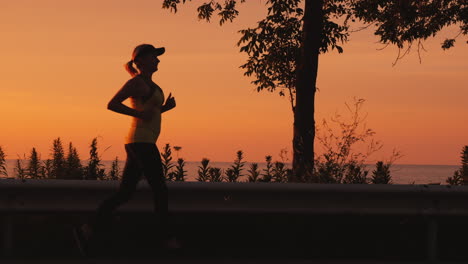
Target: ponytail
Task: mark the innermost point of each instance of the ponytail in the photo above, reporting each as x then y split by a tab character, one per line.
130	69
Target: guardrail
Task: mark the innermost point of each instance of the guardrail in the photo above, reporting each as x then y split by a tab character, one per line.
62	196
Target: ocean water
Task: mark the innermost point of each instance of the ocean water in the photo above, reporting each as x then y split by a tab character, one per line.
401	173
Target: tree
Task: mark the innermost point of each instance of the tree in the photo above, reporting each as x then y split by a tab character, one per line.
46	169
94	170
292	39
19	169
3	170
381	174
114	173
33	170
58	160
73	167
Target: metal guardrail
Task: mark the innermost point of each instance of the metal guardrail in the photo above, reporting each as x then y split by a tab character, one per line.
62	196
80	195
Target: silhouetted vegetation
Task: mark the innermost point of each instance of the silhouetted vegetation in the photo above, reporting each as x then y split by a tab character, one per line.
268	171
254	173
94	170
73	168
340	162
203	170
284	49
20	172
460	176
343	170
166	158
381	174
46	169
171	171
280	173
34	165
177	149
235	171
114	173
180	172
58	160
3	168
215	175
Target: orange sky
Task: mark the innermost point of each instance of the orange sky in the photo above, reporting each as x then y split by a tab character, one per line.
63	60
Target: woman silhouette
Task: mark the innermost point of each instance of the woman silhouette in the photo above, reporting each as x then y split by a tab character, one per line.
143	158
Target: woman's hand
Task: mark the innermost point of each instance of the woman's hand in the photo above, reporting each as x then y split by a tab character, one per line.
170	103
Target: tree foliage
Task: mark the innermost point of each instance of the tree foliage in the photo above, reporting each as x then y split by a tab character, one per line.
403	22
274	44
94	170
58	160
20	171
46	169
34	165
73	167
115	173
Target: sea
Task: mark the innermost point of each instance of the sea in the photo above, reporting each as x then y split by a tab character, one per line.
401	173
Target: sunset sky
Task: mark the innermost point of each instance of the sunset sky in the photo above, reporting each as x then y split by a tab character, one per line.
63	60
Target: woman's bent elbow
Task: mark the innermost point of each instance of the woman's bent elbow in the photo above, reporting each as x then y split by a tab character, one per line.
111	106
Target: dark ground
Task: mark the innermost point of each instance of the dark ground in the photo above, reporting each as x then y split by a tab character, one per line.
246	238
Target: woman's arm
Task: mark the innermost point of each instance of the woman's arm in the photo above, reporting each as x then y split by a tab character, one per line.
131	88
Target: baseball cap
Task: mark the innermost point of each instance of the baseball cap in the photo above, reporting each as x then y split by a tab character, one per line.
144	49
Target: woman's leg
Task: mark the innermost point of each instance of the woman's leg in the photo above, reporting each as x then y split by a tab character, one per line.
131	176
153	172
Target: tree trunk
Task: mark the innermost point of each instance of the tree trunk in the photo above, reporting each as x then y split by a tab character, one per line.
307	67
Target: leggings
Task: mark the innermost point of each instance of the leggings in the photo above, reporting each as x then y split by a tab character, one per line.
142	159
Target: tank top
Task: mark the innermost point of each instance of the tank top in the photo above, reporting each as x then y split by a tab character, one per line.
146	131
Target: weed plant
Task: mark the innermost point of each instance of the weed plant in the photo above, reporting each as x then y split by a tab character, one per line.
254	173
203	170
